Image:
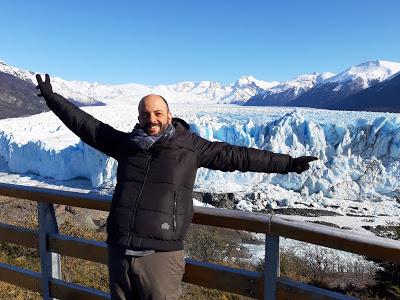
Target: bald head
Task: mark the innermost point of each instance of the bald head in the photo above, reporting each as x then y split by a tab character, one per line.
153	97
154	115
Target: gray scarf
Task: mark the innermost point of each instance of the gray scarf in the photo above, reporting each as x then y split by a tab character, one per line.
145	141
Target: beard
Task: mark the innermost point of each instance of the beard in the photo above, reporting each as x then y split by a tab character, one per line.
162	128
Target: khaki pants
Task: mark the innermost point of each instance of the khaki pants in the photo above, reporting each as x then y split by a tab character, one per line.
156	276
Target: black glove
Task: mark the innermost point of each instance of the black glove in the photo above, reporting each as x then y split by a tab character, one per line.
44	87
301	164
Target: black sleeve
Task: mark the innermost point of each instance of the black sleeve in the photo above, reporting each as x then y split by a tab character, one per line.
93	132
226	157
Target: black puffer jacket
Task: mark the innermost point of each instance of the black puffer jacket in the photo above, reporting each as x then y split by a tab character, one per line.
152	205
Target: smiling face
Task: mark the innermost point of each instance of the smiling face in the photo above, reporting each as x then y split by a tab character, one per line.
154	116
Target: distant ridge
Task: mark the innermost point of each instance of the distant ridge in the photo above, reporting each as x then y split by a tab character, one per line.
93	94
18	98
286	92
347	83
318	90
383	97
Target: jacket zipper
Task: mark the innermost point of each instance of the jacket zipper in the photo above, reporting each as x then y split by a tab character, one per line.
174	213
137	201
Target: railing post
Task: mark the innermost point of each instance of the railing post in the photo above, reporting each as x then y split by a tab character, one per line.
271	266
49	262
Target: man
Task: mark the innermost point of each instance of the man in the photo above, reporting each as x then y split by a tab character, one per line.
152	205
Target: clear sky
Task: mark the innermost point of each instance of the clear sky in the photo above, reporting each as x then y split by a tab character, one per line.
167	41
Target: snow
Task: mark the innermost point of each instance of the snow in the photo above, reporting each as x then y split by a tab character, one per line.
201	204
289	90
247	80
358	170
202	92
245	88
368	73
300	84
357	173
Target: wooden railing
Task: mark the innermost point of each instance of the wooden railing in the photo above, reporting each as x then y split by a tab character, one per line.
267	285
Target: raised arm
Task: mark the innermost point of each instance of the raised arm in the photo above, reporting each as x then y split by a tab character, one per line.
93	132
226	157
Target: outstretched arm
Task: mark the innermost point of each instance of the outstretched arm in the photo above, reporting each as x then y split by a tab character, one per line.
226	157
95	133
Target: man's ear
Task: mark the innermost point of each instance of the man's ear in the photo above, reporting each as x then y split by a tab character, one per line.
169	115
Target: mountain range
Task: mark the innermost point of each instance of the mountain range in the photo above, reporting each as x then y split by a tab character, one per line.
18	97
318	90
383	96
326	90
86	93
285	93
347	83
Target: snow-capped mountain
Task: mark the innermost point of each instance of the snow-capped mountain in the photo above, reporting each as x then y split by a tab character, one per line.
88	94
78	91
282	94
384	96
318	90
18	97
347	83
17	72
245	88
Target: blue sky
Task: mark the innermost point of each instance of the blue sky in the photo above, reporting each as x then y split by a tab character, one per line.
162	42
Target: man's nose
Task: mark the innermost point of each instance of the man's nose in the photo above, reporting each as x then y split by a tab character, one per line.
152	118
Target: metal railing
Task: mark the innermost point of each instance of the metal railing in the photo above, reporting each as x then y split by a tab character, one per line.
266	285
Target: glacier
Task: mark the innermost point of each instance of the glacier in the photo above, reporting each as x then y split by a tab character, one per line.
358	152
358	161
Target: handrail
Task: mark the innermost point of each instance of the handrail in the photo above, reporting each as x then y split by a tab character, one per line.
243	282
378	247
38	194
317	234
